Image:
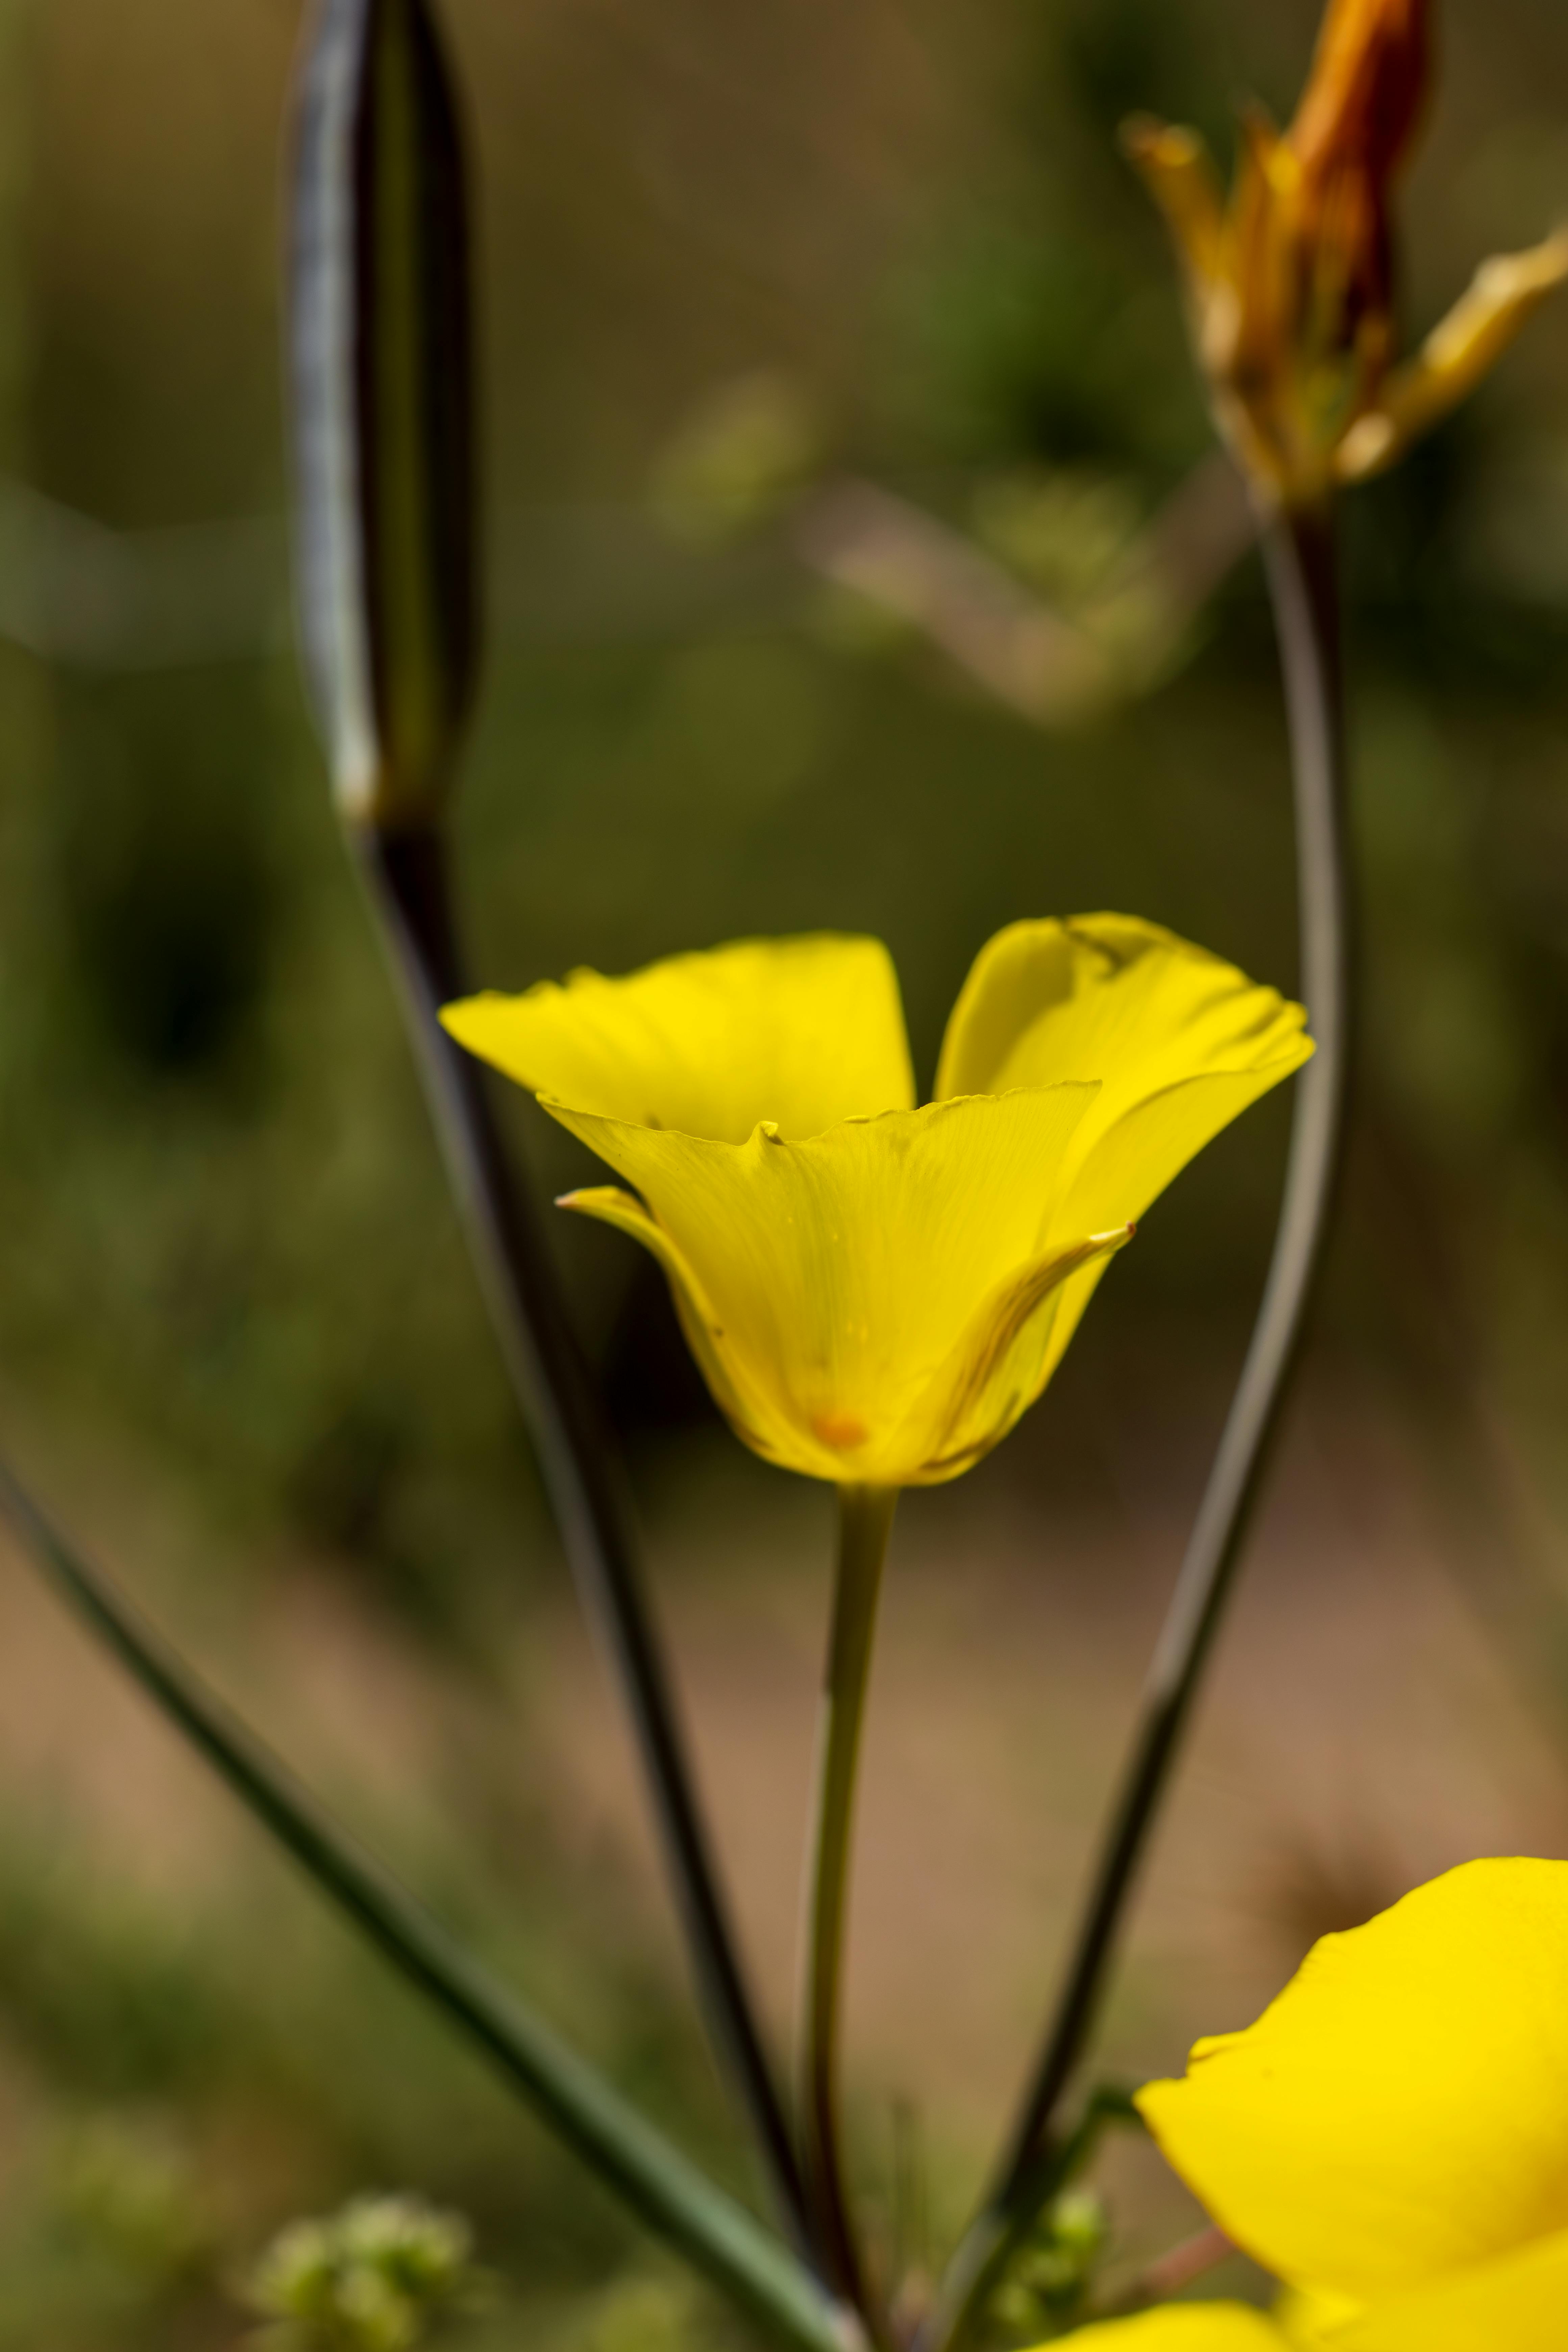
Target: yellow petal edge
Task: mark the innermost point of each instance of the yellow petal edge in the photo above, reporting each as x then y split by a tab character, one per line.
1397	2121
1182	1041
1184	2328
804	1032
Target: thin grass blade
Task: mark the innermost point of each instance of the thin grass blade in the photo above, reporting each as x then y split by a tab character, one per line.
669	2194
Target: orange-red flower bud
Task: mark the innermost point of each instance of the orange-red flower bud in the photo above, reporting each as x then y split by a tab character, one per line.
1291	283
1354	127
1368	85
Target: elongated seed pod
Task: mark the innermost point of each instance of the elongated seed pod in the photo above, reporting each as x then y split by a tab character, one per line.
382	334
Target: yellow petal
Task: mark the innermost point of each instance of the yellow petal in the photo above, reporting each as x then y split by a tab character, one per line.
1400	2115
751	1413
1180	176
1314	2321
1111	998
1005	1359
802	1032
868	1304
1130	1166
1107	997
1185	2327
1181	1042
1462	349
1517	2305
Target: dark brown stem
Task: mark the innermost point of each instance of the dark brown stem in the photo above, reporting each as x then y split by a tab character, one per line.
407	873
1299	554
1193	2258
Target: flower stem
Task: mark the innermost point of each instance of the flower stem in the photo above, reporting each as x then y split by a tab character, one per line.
865	1523
648	2172
1172	2273
407	872
1299	554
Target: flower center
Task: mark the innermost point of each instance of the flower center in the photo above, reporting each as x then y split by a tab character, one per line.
842	1430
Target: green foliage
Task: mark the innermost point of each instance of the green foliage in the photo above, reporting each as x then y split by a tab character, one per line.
738	460
648	2316
186	2095
1047	2288
1061	531
384	2275
130	2189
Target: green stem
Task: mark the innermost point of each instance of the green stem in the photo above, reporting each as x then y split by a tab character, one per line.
865	1523
982	2260
668	2193
1299	552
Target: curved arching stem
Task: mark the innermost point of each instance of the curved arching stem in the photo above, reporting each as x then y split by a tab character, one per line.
408	882
385	429
1299	560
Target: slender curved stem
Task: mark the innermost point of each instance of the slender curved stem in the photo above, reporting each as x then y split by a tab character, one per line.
865	1523
407	872
648	2172
1171	2273
1299	554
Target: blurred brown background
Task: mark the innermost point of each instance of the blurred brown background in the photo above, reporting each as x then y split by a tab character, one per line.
893	244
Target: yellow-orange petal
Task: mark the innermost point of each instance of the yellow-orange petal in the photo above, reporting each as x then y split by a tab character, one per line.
1179	173
1461	350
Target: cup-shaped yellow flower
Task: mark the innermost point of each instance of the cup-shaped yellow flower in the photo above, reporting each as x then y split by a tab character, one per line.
875	1292
1391	2137
1290	285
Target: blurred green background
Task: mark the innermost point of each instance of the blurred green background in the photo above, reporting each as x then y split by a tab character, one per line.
238	1342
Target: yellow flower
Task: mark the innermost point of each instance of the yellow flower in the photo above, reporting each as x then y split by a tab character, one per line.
1290	286
1391	2137
1184	2328
876	1293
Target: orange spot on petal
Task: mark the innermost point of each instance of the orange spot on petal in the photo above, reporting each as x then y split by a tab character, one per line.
842	1430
